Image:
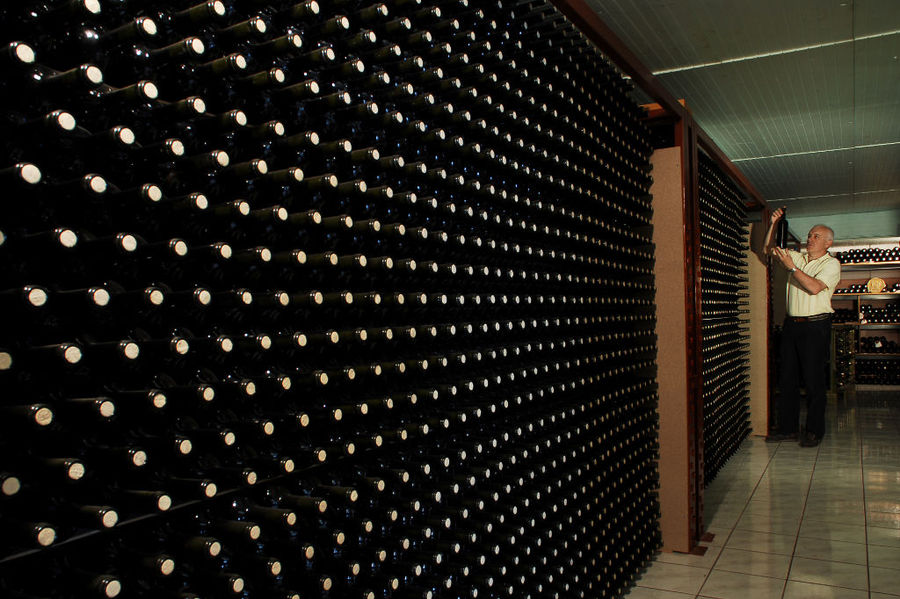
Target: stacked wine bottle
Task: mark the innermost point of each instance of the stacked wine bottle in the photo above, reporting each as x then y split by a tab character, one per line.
885	314
877	372
868	255
844	358
878	345
723	293
301	300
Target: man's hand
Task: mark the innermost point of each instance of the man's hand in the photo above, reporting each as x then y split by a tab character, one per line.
784	257
809	284
776	216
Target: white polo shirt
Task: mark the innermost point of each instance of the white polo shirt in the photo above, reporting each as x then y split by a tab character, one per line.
824	268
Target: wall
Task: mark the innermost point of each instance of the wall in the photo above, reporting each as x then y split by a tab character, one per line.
849	226
758	317
674	436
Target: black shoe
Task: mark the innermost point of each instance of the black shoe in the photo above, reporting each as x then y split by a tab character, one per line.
779	437
810	440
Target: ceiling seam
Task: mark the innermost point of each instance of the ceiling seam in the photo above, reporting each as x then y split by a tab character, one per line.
853	106
825	151
704	65
832	195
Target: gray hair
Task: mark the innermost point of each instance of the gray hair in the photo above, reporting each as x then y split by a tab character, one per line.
828	230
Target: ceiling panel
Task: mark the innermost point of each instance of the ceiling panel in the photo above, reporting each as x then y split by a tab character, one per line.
802	176
774	105
873	17
803	95
875	201
862	175
876	96
670	34
837	212
876	168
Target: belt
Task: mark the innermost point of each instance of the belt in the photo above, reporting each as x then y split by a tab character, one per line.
813	318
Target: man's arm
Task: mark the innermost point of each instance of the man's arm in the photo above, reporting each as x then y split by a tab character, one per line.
829	277
809	284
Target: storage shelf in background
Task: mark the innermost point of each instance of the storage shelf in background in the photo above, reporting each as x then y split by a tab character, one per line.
885	296
869	327
845	266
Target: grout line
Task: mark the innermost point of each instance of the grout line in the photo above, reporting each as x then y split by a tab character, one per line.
862	471
802	516
741	515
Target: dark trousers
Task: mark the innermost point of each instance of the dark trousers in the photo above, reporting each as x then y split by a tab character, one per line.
804	350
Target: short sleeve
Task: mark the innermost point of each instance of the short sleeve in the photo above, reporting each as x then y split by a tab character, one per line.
830	274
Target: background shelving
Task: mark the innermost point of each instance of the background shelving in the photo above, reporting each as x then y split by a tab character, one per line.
864	319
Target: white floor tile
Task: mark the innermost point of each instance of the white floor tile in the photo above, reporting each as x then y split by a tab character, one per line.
885	557
673	577
884	520
806	590
851	576
834	506
825	519
719	536
731	585
724	520
884	580
645	593
764	542
689	559
753	562
886	537
835	551
785	525
833	531
883	505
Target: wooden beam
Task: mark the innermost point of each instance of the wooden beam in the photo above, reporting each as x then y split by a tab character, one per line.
714	152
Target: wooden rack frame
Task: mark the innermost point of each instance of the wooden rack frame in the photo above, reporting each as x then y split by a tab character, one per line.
686	501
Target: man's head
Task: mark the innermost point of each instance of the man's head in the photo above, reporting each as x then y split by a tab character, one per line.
818	240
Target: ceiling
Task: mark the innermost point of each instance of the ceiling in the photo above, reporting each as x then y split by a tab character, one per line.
802	95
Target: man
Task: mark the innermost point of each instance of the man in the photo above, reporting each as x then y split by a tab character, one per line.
806	337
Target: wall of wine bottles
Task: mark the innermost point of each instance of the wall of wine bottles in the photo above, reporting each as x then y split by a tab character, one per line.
301	300
723	292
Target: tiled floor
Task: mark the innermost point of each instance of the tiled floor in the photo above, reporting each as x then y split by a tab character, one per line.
800	523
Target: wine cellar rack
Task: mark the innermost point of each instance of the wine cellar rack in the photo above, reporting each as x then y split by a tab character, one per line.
843	349
723	292
867	320
344	300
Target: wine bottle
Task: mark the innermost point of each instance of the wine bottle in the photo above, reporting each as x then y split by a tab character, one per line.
782	234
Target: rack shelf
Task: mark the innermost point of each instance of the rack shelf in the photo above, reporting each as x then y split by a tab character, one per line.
845	372
851	266
859	296
869	327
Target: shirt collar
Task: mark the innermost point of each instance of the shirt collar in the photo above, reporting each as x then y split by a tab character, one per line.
825	255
